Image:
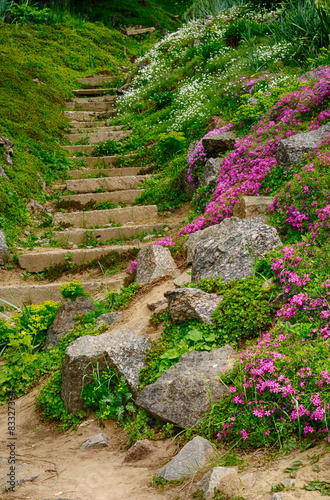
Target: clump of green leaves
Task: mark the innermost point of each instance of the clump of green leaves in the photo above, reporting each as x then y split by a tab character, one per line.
72	290
118	300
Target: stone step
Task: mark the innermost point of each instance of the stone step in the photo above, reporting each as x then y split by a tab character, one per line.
94	137
87	116
103	161
95	81
88	173
92	91
91	106
123	183
34	294
102	217
82	200
86	127
79	148
102	98
78	236
38	261
138	31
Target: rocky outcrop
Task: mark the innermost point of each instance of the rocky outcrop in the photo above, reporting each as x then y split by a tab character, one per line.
190	458
217	231
188	304
290	151
211	171
182	279
211	480
4	249
232	255
154	262
252	206
65	319
98	441
217	144
108	318
181	394
122	350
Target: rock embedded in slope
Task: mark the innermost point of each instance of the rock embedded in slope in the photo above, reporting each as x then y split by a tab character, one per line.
217	144
290	151
181	394
211	480
154	262
217	231
97	441
252	206
154	305
4	249
108	318
65	319
182	279
190	458
123	350
189	187
211	171
139	450
229	257
188	304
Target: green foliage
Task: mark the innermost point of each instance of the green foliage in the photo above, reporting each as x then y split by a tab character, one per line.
108	148
72	290
163	99
322	486
109	395
169	145
119	300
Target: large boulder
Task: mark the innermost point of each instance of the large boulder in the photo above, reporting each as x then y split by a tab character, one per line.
217	144
232	256
181	395
122	350
4	249
187	304
211	171
65	319
155	262
217	231
252	206
190	458
290	151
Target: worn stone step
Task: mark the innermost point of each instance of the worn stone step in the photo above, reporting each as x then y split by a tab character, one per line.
92	91
87	116
79	148
91	106
103	161
87	173
34	294
83	128
78	236
97	99
123	183
102	217
38	261
94	137
81	200
95	81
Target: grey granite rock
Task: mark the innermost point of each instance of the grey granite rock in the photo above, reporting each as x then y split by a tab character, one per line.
252	206
291	150
188	304
217	144
277	496
189	187
4	249
190	458
34	207
211	171
232	256
190	150
139	450
182	279
97	441
211	480
122	350
155	262
108	318
217	231
65	319
154	305
181	394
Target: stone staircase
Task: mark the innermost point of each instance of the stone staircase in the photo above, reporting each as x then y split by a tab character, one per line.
98	181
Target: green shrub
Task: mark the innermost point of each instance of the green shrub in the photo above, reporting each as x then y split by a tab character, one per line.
108	148
118	300
72	290
163	99
169	145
